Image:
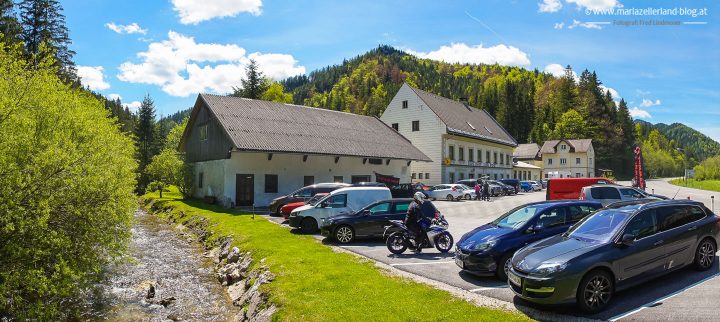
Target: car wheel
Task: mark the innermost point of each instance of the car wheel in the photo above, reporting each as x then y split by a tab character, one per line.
278	212
449	197
467	196
308	225
503	266
344	234
595	291
705	255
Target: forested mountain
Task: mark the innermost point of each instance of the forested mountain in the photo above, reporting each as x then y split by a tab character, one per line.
696	145
533	106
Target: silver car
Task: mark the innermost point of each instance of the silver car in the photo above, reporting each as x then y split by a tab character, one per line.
607	194
447	192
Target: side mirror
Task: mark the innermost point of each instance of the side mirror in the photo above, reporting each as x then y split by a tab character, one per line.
535	229
323	205
627	239
366	213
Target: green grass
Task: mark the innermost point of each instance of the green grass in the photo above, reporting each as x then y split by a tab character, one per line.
314	283
712	185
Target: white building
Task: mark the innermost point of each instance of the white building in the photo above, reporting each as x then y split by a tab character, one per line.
568	159
463	141
248	152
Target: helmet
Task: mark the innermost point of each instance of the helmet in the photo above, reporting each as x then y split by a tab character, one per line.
419	196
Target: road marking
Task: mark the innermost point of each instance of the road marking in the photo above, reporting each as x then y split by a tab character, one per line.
423	263
663	299
489	288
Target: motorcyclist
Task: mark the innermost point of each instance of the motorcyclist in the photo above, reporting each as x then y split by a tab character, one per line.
413	218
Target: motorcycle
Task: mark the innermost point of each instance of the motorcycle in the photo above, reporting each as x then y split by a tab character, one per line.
402	238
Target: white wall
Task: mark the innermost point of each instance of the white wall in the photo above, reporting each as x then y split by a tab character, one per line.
487	167
586	168
291	170
213	178
428	139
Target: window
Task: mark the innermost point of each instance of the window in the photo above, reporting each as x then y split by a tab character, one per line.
549	161
420	175
461	153
271	183
357	179
336	201
546	176
308	181
552	218
427	175
415	126
451	152
338	179
396	126
462	176
495	157
563	161
479	155
604	193
471	175
452	176
304	193
381	208
502	158
203	132
487	156
470	155
577	160
507	159
673	217
563	147
642	225
200	180
401	207
589	161
578	175
404	104
375	161
413	176
631	194
575	213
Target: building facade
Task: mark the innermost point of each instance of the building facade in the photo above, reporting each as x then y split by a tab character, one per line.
462	141
568	159
247	152
526	171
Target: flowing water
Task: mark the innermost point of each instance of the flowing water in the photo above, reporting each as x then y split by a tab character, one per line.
177	269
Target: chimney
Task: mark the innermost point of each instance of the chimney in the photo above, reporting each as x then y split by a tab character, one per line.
464	100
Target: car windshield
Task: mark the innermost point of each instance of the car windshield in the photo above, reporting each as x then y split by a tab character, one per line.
315	199
464	187
517	217
600	226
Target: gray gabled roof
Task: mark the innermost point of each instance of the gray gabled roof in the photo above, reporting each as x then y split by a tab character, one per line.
526	151
255	125
465	120
581	145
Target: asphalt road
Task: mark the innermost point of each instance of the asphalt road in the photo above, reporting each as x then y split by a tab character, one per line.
685	295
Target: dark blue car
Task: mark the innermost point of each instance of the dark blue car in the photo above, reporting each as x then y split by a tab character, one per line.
487	250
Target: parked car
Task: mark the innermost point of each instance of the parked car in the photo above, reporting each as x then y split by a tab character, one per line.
496	188
470	182
506	189
406	190
614	249
369	222
369	184
487	250
569	188
287	209
468	192
515	183
339	202
607	194
544	183
447	192
530	185
303	194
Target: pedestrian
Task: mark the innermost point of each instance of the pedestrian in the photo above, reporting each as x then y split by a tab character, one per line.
477	191
486	191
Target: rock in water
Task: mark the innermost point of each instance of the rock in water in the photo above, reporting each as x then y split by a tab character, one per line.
151	292
167	301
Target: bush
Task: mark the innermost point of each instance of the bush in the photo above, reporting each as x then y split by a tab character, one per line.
708	169
66	183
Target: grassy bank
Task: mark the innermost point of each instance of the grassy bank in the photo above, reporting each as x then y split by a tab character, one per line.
712	185
315	283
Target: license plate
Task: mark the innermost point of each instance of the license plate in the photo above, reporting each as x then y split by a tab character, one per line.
459	263
514	279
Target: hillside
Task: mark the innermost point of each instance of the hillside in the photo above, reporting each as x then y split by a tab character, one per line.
696	145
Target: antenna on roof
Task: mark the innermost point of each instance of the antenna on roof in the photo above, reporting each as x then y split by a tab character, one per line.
464	101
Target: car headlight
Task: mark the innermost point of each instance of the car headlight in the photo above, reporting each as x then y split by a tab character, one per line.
546	269
481	247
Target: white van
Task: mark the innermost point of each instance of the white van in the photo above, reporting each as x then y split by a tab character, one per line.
339	202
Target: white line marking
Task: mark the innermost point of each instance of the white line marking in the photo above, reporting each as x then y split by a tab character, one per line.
423	263
489	288
663	299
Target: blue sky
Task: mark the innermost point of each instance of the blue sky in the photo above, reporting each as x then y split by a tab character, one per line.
174	49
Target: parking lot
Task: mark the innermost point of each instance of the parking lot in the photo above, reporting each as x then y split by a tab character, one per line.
683	295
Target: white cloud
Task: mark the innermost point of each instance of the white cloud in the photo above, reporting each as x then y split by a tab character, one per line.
92	77
613	92
132	28
558	70
196	11
133	106
648	103
639	114
595	4
462	53
114	96
549	6
183	67
588	25
559	25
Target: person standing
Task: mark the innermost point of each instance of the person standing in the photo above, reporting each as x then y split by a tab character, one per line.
486	191
477	191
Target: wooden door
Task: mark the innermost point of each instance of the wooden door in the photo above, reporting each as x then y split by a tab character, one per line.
244	189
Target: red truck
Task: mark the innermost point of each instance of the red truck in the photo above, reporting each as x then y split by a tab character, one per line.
569	188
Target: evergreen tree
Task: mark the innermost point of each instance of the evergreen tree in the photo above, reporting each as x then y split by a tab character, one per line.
9	25
254	84
43	24
146	136
624	120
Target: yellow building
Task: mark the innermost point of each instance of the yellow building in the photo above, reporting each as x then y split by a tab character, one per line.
568	159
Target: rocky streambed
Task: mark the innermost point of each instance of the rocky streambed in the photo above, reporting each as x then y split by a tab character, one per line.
168	276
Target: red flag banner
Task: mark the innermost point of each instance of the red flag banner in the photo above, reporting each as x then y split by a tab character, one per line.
386	179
